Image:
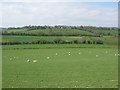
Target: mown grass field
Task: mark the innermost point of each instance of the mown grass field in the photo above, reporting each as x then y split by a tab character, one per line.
83	68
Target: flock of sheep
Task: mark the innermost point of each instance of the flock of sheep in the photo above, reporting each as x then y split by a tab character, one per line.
69	53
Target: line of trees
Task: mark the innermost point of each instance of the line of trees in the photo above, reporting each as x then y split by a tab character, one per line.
56	41
52	31
32	27
49	34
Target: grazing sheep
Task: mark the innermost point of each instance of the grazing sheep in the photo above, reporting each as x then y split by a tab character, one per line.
56	54
10	58
34	60
97	55
79	53
48	57
28	60
69	54
117	54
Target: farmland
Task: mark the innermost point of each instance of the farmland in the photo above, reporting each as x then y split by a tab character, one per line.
59	35
60	57
46	32
105	40
50	30
74	71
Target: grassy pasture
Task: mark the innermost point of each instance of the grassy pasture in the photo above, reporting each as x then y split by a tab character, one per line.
75	71
50	31
86	66
57	31
112	32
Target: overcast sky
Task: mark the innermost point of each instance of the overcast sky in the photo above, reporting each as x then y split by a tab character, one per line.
59	13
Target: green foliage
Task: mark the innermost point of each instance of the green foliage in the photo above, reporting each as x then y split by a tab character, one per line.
61	31
10	40
52	39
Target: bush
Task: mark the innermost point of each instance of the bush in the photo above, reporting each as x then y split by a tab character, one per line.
56	41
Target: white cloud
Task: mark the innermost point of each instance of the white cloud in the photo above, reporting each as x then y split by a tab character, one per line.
57	13
0	15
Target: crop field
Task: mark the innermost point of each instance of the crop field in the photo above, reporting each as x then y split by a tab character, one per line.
60	67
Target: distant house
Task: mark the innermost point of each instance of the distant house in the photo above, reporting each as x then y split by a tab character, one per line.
61	27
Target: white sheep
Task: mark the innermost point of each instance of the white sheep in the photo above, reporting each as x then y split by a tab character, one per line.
48	57
115	54
34	60
97	55
56	54
28	60
10	58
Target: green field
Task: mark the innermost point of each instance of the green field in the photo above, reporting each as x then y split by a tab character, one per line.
111	32
12	38
68	57
0	68
49	32
83	68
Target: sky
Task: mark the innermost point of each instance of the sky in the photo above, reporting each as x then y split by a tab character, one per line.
20	13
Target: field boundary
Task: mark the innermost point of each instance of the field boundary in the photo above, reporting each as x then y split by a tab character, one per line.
54	47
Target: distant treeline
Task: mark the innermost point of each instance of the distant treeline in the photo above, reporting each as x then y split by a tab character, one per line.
31	27
49	34
60	31
56	41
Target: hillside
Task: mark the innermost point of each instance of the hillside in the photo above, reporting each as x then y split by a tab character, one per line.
60	35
